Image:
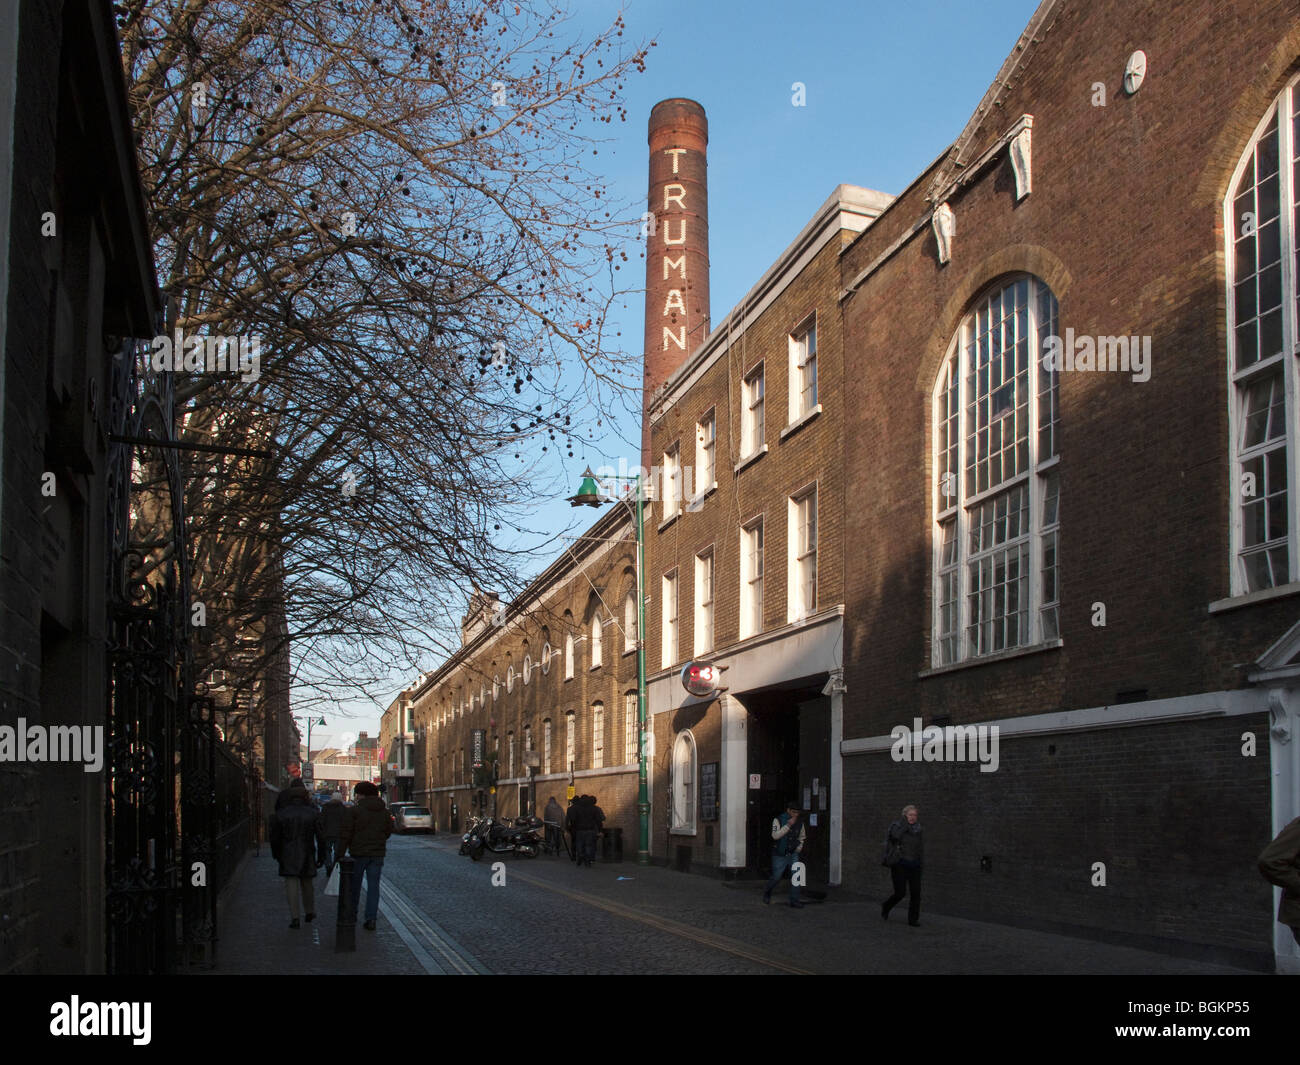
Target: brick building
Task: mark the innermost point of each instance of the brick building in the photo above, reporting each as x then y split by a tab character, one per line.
397	748
553	673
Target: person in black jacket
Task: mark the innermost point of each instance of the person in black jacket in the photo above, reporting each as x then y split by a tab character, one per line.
906	834
298	844
586	818
332	817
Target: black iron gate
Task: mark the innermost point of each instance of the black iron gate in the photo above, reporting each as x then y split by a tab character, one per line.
177	815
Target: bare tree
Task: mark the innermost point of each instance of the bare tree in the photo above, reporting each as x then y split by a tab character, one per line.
392	210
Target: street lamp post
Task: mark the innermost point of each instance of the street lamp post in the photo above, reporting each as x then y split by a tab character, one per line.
589	495
312	721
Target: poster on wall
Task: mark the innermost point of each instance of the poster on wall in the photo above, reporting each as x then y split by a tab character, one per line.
709	791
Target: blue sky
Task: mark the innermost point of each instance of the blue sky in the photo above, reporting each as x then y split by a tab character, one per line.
888	87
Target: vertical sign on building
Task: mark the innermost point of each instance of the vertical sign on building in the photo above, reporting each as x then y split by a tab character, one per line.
677	245
478	744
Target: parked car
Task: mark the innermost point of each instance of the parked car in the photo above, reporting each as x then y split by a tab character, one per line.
411	818
393	810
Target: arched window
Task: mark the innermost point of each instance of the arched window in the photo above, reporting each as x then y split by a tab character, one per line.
528	669
510	678
683	785
568	646
1260	218
629	621
996	486
496	687
546	745
596	633
570	742
597	735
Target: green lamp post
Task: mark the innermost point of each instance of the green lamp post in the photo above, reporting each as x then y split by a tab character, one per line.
589	496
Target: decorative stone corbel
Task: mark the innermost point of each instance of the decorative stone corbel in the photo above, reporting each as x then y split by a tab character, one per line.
1020	163
945	225
1279	719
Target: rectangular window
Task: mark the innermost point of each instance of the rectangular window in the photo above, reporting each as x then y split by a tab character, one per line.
706	438
704	602
752	418
669	650
998	573
597	737
570	742
672	481
510	771
802	586
631	741
751	578
803	371
546	745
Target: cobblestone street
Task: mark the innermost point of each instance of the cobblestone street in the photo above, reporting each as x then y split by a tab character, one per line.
439	913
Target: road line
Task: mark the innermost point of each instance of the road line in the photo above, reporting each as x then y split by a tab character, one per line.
665	924
452	957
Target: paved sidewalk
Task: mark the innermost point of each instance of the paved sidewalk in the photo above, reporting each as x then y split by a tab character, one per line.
255	937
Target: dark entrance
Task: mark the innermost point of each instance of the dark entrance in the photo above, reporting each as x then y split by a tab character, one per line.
789	749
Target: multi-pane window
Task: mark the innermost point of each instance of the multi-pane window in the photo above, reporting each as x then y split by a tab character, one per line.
706	440
672	481
629	621
752	417
597	631
669	650
997	489
511	744
683	786
803	371
570	741
751	578
546	745
1262	217
631	740
597	735
704	602
802	584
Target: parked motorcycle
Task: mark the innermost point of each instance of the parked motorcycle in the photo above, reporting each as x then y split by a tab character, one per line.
472	840
522	836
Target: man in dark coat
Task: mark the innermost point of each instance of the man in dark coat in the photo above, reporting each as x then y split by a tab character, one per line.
587	821
554	818
366	828
332	818
298	844
1280	864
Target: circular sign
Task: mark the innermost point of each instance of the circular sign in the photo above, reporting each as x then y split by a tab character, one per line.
700	678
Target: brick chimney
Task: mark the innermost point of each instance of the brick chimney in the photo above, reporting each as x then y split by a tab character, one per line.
677	251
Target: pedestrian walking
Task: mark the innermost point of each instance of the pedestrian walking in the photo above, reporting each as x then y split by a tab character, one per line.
1280	864
903	854
789	835
298	844
587	820
554	818
571	826
332	818
366	828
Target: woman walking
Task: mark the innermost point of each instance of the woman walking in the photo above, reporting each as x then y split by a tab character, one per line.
906	844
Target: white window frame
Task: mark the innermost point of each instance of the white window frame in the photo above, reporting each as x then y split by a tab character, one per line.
510	772
546	745
685	780
671	618
802	556
510	678
958	499
751	577
597	641
706	452
570	741
528	668
1248	233
546	658
753	428
631	740
672	481
597	735
803	369
496	686
629	621
569	655
705	597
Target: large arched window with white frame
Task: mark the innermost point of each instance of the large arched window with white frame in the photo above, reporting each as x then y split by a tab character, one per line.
1261	222
996	488
683	782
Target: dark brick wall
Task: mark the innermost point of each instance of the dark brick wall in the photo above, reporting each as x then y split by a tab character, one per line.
1173	810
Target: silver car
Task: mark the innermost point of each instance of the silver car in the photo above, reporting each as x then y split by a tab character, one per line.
413	818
